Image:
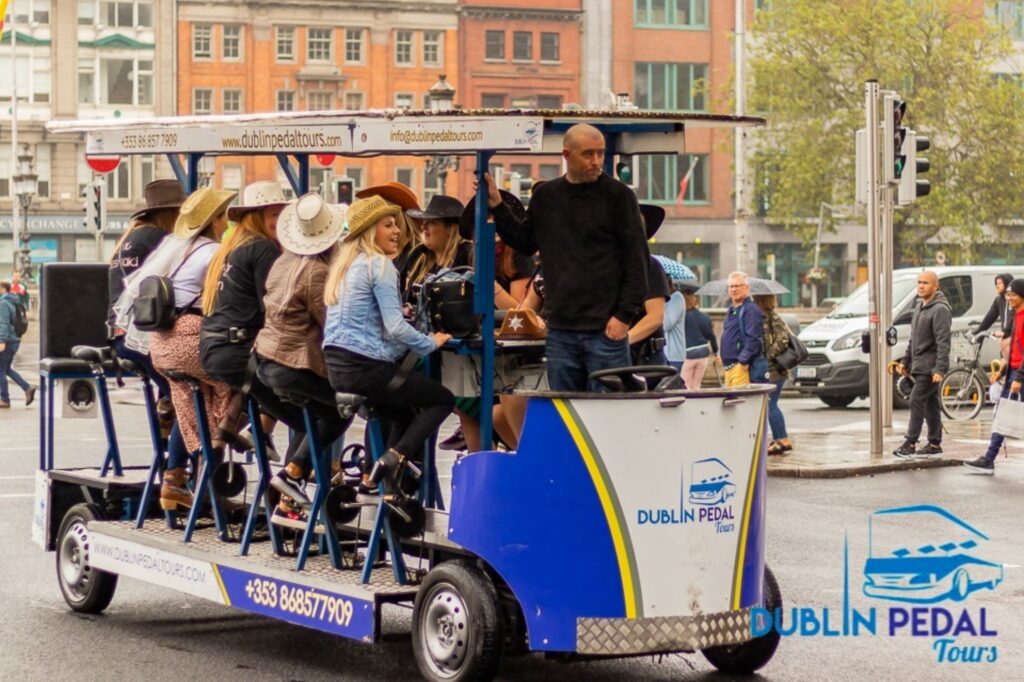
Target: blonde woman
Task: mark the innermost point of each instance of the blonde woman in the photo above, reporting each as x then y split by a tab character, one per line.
402	196
202	221
366	335
233	307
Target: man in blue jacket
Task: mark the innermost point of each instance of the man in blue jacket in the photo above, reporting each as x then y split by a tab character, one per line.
9	342
742	346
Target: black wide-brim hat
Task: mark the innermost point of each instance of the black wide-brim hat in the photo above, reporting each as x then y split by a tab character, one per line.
468	217
653	216
441	207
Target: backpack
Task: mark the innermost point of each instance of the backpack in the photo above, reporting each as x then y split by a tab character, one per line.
153	309
20	320
445	303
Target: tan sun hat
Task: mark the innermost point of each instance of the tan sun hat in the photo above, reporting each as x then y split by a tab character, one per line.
364	214
199	210
310	225
257	196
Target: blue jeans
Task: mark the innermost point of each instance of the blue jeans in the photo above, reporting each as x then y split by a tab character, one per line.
572	356
7	370
163	388
776	420
996	442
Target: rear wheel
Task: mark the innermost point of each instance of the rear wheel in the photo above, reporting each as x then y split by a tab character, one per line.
745	658
837	400
961	394
458	631
85	589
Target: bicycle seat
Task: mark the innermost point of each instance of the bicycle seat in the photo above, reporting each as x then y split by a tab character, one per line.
92	354
349	404
178	375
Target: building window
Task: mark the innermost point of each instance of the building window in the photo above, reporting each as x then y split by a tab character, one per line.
42	168
126	14
202	101
432	48
687	13
147	169
549	43
494	45
318	48
550	171
285	41
404	100
232	101
202	41
26	11
406	176
319	101
86	12
549	101
488	101
231	176
33	70
87	81
1010	15
354	101
525	170
355	174
403	47
353	46
522	46
670	87
119	181
664	177
231	45
285	100
119	78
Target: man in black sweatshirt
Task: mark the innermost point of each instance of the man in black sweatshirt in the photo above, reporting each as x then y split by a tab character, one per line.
926	361
588	230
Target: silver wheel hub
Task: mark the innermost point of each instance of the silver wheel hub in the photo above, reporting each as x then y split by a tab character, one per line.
445	630
74	559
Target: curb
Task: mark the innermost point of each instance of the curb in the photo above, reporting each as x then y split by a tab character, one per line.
848	471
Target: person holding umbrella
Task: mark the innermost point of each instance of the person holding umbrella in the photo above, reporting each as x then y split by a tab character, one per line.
675	311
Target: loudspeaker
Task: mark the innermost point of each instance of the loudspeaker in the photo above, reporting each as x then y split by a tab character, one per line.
72	307
78	399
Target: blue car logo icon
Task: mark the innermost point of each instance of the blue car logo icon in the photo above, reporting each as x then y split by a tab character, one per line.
712	482
923	554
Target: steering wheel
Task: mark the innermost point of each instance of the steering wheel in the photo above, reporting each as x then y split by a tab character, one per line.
623	379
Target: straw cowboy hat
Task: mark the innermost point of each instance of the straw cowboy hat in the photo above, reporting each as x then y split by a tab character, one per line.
257	196
161	194
364	214
310	225
467	221
199	210
394	192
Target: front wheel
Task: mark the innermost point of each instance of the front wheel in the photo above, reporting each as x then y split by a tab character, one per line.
745	658
85	589
961	395
837	400
458	631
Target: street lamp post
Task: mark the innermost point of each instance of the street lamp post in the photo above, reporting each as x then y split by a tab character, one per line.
26	183
441	98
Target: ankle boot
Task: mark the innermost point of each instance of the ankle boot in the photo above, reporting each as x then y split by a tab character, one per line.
174	492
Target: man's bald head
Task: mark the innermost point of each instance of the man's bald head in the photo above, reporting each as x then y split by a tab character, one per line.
583	150
927	285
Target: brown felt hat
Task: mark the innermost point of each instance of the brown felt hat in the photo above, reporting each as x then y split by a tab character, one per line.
161	195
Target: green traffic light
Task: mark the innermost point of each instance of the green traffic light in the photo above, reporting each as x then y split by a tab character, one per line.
625	172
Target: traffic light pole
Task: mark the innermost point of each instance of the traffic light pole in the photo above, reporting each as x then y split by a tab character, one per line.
885	299
876	371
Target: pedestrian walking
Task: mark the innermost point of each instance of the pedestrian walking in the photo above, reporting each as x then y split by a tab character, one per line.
588	230
776	339
742	344
1014	376
1001	312
9	343
19	290
701	344
926	362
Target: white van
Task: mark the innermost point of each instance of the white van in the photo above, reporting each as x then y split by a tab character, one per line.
837	370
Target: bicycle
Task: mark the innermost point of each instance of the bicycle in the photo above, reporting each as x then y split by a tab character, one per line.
963	391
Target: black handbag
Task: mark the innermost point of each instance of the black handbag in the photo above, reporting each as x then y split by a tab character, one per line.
449	295
794	353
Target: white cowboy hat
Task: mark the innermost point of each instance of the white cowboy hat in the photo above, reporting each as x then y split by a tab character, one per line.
258	195
310	225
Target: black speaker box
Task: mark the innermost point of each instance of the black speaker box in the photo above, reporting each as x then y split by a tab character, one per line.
72	307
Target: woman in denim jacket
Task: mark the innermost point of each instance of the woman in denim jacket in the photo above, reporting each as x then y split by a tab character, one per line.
366	335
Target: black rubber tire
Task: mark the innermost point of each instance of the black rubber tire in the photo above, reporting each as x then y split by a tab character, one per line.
94	589
482	621
745	658
837	400
955	381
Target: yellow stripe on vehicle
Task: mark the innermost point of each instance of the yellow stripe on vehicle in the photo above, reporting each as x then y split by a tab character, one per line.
220	584
605	493
741	549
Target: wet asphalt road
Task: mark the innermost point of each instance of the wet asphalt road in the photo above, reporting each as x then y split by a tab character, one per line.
158	634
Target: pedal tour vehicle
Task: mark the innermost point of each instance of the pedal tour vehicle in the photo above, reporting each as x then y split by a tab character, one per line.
626	523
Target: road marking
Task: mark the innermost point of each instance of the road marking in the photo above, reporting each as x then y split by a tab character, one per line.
12	478
19	495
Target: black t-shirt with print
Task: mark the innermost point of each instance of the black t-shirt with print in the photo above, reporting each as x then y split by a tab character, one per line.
657	287
129	257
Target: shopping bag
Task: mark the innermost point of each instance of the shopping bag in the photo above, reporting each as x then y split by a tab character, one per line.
1009	419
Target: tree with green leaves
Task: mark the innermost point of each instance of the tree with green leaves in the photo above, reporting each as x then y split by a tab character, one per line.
809	61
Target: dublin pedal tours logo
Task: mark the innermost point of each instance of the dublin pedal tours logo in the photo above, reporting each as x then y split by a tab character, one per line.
928	562
705	500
